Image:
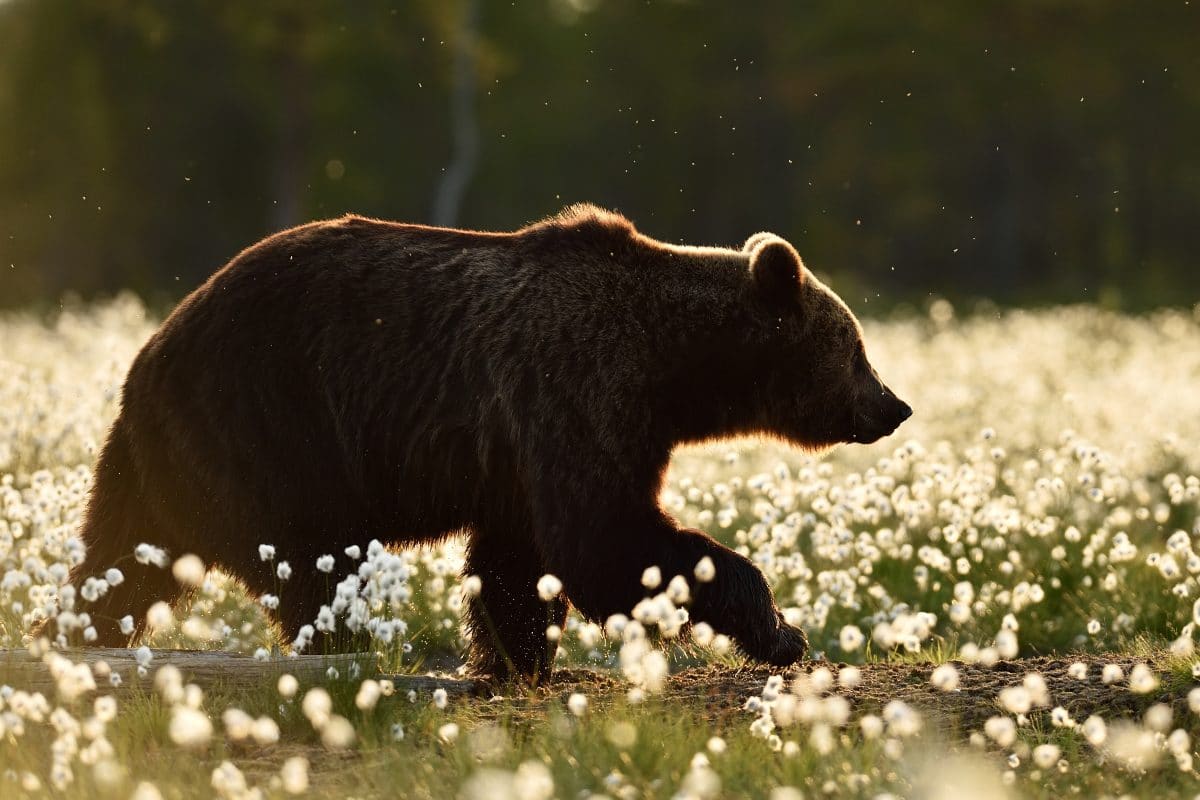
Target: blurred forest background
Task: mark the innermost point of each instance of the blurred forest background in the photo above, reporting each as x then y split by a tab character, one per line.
1030	151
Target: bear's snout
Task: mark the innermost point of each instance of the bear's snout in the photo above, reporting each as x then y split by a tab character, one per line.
881	417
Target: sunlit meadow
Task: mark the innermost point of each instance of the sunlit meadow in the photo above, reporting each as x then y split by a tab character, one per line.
1043	500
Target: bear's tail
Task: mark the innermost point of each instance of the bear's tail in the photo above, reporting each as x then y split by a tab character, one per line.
116	522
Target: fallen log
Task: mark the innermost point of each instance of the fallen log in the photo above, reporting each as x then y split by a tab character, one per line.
209	669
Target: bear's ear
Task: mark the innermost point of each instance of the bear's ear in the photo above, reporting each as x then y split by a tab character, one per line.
757	239
777	268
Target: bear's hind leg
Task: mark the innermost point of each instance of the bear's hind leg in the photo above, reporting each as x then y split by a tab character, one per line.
508	620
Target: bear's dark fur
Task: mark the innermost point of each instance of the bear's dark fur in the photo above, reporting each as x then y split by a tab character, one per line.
358	379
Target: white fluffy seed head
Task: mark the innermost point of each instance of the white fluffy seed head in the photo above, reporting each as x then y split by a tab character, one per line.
851	638
288	686
293	776
337	733
189	727
945	678
705	570
1046	755
651	577
1142	679
548	587
448	733
237	724
368	695
188	570
1001	730
159	617
317	706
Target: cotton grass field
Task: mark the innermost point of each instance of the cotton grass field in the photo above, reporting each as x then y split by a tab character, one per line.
1002	599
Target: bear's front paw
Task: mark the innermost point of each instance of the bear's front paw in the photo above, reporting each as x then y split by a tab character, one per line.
783	646
790	646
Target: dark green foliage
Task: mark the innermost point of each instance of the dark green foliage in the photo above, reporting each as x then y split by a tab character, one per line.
1028	151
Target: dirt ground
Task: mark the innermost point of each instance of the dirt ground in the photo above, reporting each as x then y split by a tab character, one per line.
722	690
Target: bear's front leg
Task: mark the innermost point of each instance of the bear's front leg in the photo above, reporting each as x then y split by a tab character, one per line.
601	564
739	603
507	619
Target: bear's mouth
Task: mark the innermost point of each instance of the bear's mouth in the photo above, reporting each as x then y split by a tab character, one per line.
868	430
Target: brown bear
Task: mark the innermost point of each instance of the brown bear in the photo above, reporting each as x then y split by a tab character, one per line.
357	379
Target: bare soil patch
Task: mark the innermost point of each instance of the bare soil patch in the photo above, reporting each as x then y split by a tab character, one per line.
719	692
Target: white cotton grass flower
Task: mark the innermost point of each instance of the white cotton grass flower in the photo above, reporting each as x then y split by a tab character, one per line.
317	706
945	678
325	564
145	790
189	570
705	570
703	634
287	686
354	552
1061	718
1006	644
105	708
337	733
264	731
1132	746
266	552
849	677
293	775
851	638
150	555
577	704
237	724
1078	670
1095	730
1001	730
168	682
283	570
651	577
1158	717
1046	756
902	719
160	618
678	591
448	733
549	587
472	585
1112	673
189	727
228	781
440	698
1142	679
871	726
368	695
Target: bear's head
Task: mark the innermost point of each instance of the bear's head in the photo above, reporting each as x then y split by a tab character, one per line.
820	389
